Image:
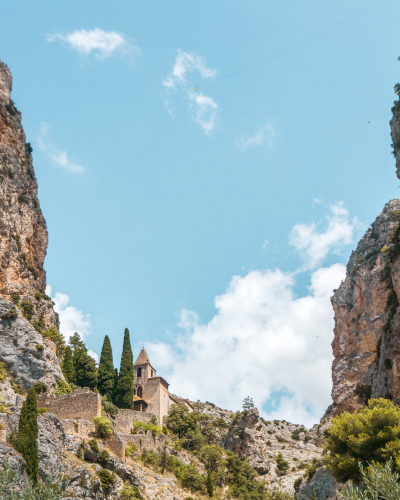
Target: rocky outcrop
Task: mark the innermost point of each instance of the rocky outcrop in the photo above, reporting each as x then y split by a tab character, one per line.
321	486
23	231
27	356
366	344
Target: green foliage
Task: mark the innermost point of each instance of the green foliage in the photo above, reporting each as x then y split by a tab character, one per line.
106	370
130	449
84	365
3	371
149	457
39	347
103	457
155	429
3	407
93	445
109	407
282	465
124	390
210	484
56	337
26	440
312	468
80	450
248	404
192	428
370	434
107	479
11	314
62	388
380	482
129	492
103	426
15	298
241	480
27	309
297	484
67	366
12	487
16	237
11	108
296	435
42	410
42	295
212	456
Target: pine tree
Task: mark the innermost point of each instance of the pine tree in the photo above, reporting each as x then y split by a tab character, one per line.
85	367
68	368
210	484
106	370
27	435
124	392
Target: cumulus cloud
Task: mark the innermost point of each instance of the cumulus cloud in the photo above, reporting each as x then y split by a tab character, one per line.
314	245
71	319
264	341
93	355
57	156
264	135
203	107
103	43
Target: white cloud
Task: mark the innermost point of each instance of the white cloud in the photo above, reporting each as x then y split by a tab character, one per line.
93	355
71	319
103	43
57	156
204	107
265	134
314	246
262	340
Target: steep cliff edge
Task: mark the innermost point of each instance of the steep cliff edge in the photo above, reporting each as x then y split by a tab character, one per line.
366	345
23	231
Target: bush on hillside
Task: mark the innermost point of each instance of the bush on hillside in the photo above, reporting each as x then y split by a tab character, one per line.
371	434
103	427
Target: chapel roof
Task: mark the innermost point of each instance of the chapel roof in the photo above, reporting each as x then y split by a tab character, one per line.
142	359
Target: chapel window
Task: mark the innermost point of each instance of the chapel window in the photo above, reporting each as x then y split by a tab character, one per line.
139	372
139	392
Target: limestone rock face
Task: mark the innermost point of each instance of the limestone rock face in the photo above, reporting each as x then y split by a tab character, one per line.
27	357
23	231
322	486
366	343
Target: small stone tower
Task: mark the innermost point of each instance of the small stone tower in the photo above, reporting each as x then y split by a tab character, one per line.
151	392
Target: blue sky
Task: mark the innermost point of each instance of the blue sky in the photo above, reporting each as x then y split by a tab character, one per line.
157	197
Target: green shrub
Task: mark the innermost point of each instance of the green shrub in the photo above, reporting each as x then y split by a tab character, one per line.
282	465
39	347
11	314
149	457
62	388
27	309
42	410
130	449
129	492
15	298
191	479
296	435
107	479
380	482
297	484
312	468
42	295
3	371
109	407
307	438
103	427
93	445
371	434
40	387
56	337
103	457
80	450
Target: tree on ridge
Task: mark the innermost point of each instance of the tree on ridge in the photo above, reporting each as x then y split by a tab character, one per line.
106	374
124	392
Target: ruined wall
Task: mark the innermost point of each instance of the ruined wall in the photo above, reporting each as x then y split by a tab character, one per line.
144	441
81	404
124	420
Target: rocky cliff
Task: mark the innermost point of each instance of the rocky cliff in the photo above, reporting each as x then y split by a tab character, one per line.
23	231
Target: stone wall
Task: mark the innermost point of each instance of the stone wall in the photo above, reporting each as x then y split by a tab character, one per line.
81	404
144	441
124	420
157	395
81	428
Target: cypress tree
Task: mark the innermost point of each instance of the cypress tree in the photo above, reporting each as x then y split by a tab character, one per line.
106	370
124	393
114	396
27	435
68	368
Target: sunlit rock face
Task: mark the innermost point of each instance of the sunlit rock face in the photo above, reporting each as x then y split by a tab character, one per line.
366	344
23	231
